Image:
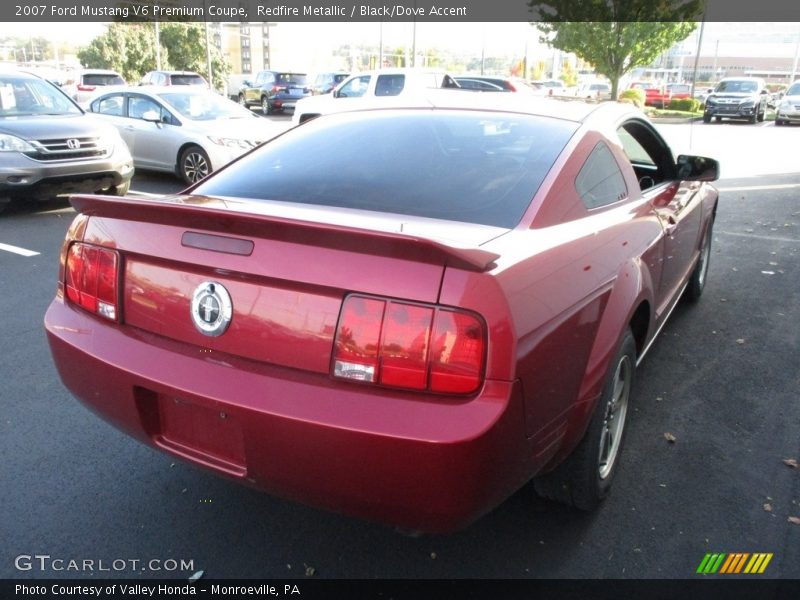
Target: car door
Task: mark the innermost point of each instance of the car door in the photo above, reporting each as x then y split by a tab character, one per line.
154	144
111	108
676	204
354	90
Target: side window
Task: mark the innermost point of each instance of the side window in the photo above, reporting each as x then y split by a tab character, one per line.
110	105
600	182
355	88
648	154
138	105
389	85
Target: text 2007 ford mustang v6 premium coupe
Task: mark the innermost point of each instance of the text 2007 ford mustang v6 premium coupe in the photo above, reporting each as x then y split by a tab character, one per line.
403	314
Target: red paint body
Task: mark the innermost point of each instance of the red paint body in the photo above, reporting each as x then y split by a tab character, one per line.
259	404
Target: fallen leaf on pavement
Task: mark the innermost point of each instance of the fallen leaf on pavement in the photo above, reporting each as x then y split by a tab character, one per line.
740	341
795	520
670	438
791	462
768	507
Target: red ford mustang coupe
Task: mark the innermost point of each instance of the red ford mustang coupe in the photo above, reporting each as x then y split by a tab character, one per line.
403	314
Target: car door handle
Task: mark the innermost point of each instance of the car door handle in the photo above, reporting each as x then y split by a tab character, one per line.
671	225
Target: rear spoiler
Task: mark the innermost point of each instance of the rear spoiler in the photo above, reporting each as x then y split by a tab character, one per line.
205	213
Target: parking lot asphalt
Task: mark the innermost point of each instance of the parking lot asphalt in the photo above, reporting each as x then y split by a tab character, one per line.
722	380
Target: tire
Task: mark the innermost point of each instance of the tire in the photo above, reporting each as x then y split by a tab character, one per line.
266	109
778	122
120	190
697	280
584	479
193	164
242	101
706	118
762	115
718	119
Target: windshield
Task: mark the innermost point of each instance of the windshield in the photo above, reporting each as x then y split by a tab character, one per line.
470	167
180	79
794	90
204	107
740	87
24	96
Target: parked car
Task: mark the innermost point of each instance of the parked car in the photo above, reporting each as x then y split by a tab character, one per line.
655	95
274	91
701	93
597	90
737	98
554	87
90	82
476	85
165	78
184	130
788	108
505	84
49	146
407	325
677	91
324	83
364	89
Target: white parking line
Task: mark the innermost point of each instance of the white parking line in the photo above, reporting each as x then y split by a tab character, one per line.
18	250
751	188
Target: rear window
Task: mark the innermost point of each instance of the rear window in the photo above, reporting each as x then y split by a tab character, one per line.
296	78
187	80
460	166
102	79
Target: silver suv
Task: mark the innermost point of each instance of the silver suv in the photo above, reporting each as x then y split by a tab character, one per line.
49	146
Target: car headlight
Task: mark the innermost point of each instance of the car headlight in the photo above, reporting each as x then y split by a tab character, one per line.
110	139
11	143
233	142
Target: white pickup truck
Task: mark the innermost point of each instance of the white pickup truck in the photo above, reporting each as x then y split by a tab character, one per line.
367	88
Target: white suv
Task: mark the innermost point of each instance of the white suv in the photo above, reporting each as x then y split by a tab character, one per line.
367	88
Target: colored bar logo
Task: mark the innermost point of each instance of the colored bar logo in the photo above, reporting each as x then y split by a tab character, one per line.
736	562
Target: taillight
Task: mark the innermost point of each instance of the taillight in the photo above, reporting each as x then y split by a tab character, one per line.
409	346
92	274
86	88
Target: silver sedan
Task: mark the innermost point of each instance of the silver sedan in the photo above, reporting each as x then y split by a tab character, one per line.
183	130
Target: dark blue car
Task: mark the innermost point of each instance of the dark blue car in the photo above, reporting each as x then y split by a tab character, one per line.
274	91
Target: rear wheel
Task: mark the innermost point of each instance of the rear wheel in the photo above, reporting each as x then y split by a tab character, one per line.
584	479
193	164
265	107
242	101
763	114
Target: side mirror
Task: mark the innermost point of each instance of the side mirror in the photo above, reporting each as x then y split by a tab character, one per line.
697	168
152	116
247	83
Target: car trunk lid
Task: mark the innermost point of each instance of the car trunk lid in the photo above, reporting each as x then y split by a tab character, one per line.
286	277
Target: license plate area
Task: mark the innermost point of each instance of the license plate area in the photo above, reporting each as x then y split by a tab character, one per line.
206	435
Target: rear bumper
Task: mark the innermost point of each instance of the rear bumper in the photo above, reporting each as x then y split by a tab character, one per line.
419	463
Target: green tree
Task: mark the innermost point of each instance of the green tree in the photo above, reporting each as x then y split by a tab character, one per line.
186	45
615	36
128	48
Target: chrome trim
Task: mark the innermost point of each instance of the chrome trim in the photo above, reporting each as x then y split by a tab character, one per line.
640	358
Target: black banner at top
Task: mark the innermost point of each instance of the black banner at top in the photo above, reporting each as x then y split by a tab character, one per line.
398	10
